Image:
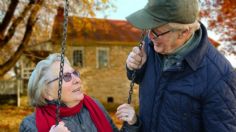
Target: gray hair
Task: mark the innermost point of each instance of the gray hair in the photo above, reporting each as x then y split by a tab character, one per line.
37	84
178	26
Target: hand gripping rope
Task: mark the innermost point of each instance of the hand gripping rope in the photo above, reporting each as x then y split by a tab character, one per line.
134	72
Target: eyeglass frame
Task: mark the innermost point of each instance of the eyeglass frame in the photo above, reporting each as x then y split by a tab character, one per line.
156	35
71	73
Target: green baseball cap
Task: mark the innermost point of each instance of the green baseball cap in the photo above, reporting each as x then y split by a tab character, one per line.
159	12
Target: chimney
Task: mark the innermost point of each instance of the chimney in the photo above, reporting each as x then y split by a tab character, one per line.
58	23
60	14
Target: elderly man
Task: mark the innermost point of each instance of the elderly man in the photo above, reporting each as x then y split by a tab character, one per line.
186	85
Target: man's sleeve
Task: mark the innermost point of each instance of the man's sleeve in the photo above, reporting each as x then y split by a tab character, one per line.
138	74
219	106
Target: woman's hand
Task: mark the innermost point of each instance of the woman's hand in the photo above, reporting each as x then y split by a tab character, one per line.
126	112
59	128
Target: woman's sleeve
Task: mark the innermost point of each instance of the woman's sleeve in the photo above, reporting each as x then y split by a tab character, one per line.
28	124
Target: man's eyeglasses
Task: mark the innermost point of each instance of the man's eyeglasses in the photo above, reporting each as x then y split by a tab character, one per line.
154	35
66	77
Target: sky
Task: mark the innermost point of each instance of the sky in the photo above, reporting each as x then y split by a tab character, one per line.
124	8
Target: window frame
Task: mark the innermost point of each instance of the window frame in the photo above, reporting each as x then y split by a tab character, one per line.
106	49
72	54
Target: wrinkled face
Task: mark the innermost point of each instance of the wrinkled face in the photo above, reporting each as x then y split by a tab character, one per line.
167	42
71	93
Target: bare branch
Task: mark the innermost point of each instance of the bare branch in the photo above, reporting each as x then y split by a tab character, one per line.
7	17
14	25
29	29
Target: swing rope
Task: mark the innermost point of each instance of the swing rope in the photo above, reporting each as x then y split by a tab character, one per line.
63	47
134	72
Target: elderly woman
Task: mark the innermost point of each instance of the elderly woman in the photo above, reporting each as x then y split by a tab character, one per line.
78	112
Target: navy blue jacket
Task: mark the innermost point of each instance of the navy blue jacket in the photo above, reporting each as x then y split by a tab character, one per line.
197	95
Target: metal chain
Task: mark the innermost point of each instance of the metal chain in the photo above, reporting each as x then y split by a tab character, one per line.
63	47
134	72
131	86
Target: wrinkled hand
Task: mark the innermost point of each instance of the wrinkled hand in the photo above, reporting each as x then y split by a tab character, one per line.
136	58
125	112
59	128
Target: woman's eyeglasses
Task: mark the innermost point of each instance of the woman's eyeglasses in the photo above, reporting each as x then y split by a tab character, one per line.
154	35
66	77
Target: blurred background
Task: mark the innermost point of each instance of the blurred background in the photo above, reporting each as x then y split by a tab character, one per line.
98	42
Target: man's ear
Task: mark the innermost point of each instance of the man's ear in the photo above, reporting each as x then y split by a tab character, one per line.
184	33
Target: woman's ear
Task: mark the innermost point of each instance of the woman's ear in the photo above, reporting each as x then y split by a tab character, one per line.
48	95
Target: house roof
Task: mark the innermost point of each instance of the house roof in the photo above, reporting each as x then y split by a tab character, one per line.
95	30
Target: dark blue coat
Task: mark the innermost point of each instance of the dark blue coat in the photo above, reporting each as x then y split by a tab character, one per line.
197	95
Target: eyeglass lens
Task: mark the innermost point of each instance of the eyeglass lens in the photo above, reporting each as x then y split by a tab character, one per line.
155	34
68	76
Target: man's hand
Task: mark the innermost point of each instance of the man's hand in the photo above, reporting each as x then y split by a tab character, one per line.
126	112
136	58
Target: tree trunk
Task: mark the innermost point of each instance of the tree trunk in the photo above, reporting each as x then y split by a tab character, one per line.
29	28
7	17
15	23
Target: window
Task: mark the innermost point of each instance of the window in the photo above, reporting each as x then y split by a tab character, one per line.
110	100
102	57
78	57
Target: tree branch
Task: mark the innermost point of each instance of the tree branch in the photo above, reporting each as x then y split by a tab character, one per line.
7	18
5	67
14	25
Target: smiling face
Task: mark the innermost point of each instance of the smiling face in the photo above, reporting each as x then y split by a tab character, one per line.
71	93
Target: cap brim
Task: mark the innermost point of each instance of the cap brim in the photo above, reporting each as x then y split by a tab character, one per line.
143	20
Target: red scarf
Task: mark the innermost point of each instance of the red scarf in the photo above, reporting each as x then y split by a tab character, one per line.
46	115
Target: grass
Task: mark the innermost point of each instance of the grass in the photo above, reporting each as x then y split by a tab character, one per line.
11	116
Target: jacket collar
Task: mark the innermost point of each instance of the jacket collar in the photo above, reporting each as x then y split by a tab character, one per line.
195	57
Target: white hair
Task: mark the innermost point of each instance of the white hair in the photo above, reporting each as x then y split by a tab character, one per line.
192	27
38	80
